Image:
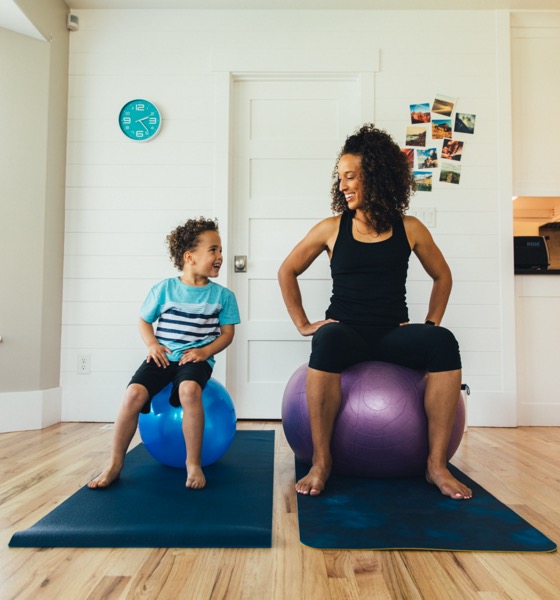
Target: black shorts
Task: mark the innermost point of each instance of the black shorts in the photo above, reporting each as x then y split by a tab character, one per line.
337	346
155	378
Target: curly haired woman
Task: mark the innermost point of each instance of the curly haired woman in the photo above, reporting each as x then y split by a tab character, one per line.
196	320
369	243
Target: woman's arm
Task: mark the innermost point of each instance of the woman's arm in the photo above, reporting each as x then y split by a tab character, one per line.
435	265
319	239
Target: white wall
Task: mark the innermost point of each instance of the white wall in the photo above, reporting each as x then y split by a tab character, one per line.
33	102
123	198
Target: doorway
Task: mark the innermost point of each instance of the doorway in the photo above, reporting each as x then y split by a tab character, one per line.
286	133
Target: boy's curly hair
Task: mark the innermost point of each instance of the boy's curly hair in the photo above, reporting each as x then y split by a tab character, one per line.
187	237
387	178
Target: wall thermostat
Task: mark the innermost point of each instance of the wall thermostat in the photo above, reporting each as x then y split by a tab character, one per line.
72	23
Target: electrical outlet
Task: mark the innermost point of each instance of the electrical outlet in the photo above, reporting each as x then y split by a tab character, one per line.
84	361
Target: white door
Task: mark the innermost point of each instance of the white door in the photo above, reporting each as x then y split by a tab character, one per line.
286	137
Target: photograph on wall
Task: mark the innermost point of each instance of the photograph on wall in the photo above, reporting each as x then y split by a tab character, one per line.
420	113
427	159
464	123
450	172
423	181
441	128
443	105
409	153
416	135
452	149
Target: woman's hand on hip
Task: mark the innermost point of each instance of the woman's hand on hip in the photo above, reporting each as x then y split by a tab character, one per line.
310	328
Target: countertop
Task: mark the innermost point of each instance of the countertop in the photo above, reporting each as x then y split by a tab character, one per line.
537	271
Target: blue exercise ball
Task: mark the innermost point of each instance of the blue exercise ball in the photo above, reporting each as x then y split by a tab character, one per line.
161	429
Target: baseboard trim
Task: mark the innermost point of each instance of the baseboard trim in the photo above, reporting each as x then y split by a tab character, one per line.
539	414
36	409
491	409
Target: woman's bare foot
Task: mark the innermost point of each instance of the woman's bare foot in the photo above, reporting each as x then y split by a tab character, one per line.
314	482
195	477
105	478
447	484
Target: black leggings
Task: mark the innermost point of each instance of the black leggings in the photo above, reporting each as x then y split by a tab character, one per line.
337	346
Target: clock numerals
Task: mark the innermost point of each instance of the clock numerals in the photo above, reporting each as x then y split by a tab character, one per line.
140	120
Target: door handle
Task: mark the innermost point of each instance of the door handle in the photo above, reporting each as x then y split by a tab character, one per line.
240	264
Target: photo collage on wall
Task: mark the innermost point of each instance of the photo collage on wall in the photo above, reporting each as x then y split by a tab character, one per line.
432	149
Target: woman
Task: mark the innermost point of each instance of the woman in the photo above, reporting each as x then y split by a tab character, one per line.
369	242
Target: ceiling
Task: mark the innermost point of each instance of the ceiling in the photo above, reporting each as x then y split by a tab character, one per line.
317	4
13	18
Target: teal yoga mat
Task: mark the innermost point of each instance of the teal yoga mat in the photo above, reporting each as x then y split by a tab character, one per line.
150	507
410	514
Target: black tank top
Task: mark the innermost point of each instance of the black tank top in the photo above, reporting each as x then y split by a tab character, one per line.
369	280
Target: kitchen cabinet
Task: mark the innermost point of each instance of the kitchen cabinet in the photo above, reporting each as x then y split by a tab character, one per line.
537	315
535	60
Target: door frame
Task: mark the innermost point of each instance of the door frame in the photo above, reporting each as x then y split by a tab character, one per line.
250	62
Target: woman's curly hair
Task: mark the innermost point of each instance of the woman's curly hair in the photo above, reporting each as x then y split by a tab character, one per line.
187	237
387	178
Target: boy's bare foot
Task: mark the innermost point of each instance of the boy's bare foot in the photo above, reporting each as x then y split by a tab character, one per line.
447	484
314	482
195	478
105	478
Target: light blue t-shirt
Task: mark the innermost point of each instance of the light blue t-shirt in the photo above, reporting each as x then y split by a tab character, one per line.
188	316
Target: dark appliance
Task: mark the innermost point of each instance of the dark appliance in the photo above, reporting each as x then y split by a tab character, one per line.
530	252
551	233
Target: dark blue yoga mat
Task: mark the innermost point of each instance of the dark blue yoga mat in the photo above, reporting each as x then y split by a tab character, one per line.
411	514
150	507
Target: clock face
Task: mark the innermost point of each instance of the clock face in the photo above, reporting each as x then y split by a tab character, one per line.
140	120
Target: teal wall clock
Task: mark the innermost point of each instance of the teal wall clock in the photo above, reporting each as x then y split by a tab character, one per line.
140	120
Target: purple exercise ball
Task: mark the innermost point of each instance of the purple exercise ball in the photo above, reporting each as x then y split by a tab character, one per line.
381	429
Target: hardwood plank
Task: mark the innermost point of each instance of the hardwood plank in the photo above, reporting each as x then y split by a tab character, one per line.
40	469
109	587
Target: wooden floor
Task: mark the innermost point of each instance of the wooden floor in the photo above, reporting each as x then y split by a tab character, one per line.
40	469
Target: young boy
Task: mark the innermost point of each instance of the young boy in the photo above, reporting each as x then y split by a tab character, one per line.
196	319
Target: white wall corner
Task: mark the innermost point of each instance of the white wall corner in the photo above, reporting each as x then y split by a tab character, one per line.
36	409
505	183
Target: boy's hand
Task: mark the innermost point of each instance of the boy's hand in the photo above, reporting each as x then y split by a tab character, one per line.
193	355
158	354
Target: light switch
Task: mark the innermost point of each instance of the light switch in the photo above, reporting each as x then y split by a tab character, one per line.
429	217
